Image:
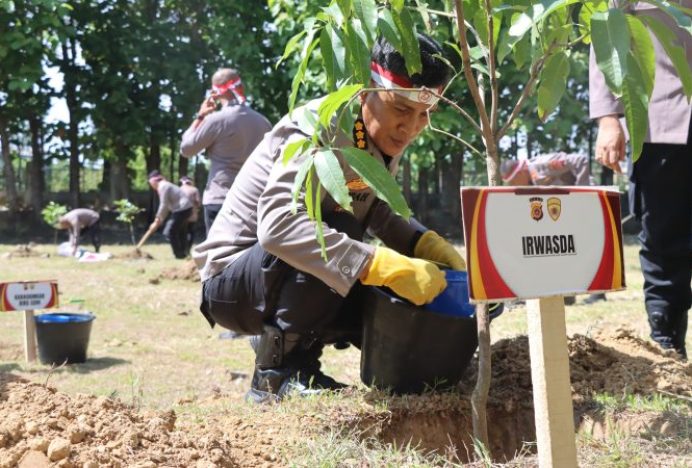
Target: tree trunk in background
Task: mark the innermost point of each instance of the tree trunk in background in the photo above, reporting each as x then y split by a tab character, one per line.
105	185
70	90
422	208
119	180
183	166
8	170
173	145
450	200
406	163
437	179
154	156
37	183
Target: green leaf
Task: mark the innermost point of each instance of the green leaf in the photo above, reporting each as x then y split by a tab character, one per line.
643	52
675	52
331	104
328	59
681	18
553	83
359	53
387	27
480	22
335	13
332	178
319	228
522	52
635	101
307	121
378	178
422	8
292	148
291	46
585	13
366	12
301	175
611	43
397	5
309	192
345	7
308	47
409	39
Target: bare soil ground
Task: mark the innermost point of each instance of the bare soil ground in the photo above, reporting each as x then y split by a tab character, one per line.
183	407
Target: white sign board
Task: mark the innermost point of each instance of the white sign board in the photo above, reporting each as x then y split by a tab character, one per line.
28	295
531	242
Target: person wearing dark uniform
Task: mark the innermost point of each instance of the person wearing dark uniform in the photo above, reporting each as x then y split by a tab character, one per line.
192	194
171	200
551	169
261	265
79	222
660	181
228	136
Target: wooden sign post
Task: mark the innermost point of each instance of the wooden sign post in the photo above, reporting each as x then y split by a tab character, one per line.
540	244
28	296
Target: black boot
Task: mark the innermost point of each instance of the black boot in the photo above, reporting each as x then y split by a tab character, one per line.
661	329
286	363
679	325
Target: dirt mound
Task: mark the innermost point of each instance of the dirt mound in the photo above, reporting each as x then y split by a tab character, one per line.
187	272
135	255
39	425
25	250
617	362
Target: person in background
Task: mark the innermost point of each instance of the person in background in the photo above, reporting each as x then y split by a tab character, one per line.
172	201
262	269
660	182
79	222
551	169
228	129
192	194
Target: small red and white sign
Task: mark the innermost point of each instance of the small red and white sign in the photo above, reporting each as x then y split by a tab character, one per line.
530	242
28	295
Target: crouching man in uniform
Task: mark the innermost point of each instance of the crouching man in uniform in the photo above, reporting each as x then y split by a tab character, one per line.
261	266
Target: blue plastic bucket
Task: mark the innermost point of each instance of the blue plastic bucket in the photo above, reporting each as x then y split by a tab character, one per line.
63	337
454	300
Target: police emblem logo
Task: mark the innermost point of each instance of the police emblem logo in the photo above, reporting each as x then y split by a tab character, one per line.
424	96
536	208
554	208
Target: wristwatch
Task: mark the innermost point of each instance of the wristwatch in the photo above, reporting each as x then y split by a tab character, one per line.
199	116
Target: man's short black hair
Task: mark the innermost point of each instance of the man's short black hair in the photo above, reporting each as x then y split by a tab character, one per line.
154	173
435	71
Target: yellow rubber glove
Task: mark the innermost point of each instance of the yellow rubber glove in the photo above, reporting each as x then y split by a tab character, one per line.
413	279
431	246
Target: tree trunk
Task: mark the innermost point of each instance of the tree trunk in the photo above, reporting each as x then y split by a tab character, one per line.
451	197
8	170
422	208
70	88
173	145
154	157
37	183
437	179
406	163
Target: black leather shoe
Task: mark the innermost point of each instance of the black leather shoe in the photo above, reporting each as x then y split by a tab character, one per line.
595	298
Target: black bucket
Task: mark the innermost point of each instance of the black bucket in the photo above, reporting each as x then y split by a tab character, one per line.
63	337
407	349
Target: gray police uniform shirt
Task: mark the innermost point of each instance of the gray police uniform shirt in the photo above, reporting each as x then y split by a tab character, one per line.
669	110
192	194
228	136
258	209
79	219
171	199
559	169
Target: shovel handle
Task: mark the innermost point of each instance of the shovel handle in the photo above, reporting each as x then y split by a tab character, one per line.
146	235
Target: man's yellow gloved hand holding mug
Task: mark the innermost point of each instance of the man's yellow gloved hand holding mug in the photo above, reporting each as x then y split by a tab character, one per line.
433	247
411	278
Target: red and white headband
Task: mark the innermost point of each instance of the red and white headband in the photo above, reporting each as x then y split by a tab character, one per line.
402	86
236	87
